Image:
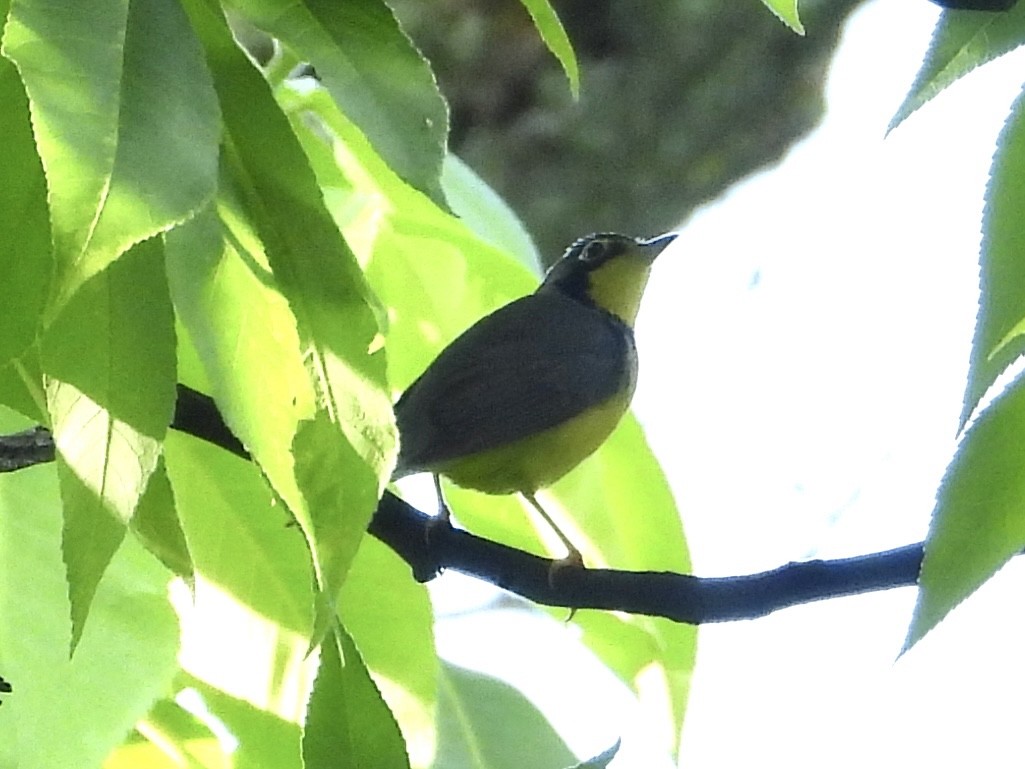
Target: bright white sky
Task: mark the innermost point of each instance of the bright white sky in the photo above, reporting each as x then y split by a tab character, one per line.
803	357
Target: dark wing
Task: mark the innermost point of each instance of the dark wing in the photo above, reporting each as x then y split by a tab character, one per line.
530	365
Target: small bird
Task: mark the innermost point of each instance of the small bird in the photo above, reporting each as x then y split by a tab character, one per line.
528	392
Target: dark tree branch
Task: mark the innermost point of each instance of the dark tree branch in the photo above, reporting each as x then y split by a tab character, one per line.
24	449
197	415
680	597
428	547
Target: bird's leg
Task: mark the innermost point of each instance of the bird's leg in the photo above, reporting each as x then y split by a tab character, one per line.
572	557
444	516
444	513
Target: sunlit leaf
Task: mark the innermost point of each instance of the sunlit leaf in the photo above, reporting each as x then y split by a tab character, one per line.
979	520
484	212
72	713
246	625
1000	328
110	367
786	11
396	641
373	72
26	261
618	510
962	41
434	274
552	32
259	738
21	386
341	491
244	332
157	527
488	724
125	122
347	722
239	538
328	295
170	737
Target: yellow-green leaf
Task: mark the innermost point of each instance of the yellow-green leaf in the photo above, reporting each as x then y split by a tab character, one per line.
962	41
1000	328
555	37
979	520
125	121
786	11
110	387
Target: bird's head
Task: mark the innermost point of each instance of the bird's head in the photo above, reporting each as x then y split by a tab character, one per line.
608	271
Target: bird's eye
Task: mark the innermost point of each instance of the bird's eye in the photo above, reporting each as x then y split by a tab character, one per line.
593	251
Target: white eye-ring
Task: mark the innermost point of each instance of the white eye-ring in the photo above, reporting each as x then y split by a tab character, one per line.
593	251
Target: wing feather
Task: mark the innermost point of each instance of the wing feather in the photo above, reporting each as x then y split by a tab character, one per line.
529	366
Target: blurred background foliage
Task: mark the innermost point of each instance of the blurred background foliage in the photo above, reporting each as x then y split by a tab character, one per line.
678	101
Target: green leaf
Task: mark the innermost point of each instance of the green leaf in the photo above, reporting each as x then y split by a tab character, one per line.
483	211
616	507
485	723
396	640
26	261
73	712
21	386
326	291
786	11
258	738
175	739
146	155
244	332
241	543
552	32
156	525
1000	328
962	41
979	520
91	536
374	73
347	722
110	367
602	760
246	626
392	227
341	491
252	609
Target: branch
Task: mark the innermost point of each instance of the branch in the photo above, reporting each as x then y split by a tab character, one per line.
31	447
429	546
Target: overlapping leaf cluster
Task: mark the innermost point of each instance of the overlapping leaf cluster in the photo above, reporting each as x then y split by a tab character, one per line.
174	211
979	520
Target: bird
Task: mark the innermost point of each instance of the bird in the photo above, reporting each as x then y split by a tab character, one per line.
528	392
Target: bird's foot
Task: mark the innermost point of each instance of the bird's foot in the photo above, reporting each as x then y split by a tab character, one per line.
572	560
443	520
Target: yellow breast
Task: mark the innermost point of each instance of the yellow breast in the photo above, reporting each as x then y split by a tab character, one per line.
539	460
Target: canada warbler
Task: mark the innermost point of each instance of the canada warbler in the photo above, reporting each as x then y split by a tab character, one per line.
528	392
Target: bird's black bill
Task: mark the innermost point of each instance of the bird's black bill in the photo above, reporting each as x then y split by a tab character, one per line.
655	246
